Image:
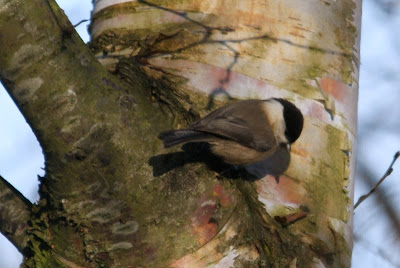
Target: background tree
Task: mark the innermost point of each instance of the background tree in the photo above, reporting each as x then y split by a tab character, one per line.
111	193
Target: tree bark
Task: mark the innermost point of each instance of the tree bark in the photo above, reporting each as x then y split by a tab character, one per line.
14	214
113	197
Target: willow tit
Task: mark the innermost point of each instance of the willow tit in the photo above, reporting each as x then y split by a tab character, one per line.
245	132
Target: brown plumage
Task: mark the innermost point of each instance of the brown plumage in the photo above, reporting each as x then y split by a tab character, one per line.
244	132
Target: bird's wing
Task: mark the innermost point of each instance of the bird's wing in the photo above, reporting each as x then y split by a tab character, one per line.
231	122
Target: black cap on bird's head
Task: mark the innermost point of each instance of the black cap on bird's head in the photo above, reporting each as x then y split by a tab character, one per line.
293	119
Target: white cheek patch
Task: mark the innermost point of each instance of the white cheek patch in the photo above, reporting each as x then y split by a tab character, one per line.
274	113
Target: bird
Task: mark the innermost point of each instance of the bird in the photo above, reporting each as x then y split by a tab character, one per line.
245	132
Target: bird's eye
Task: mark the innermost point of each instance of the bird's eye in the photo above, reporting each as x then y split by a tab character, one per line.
287	134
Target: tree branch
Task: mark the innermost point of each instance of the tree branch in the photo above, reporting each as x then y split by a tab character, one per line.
15	212
77	24
47	72
382	200
387	173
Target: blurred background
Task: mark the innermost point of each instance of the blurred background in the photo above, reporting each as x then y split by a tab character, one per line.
376	221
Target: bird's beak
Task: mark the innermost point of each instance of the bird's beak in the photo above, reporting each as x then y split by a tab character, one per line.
288	147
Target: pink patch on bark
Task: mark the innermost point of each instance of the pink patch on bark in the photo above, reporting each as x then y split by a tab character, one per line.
202	219
286	191
334	88
208	78
224	198
202	226
316	110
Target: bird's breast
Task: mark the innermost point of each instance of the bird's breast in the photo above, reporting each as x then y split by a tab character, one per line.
235	154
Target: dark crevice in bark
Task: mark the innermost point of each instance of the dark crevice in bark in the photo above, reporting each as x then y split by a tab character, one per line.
170	99
276	245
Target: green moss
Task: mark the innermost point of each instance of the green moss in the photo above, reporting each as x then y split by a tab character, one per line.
326	188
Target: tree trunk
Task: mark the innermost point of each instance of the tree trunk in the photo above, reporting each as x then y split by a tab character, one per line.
112	196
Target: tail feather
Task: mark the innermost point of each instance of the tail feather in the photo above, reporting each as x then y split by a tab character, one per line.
174	137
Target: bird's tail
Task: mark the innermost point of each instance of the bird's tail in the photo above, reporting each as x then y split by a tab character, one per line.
174	137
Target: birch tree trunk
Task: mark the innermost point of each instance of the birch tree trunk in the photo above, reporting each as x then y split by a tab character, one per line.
113	197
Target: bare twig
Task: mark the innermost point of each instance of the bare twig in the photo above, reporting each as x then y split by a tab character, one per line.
389	207
82	21
291	218
387	173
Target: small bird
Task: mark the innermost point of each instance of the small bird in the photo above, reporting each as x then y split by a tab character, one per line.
245	132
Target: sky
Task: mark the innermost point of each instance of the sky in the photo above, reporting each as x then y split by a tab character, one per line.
21	159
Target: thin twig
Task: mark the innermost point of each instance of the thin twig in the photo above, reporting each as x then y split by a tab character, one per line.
82	21
387	173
